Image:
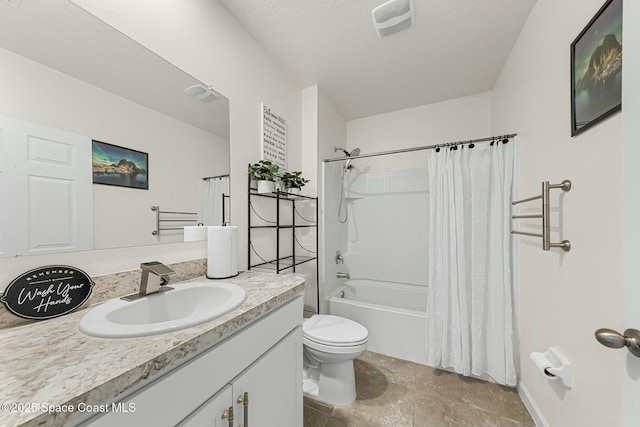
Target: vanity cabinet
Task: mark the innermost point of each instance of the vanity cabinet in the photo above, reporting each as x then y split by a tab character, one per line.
267	386
263	360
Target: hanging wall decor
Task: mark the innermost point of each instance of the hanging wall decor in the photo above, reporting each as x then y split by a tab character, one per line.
274	137
47	292
120	166
596	68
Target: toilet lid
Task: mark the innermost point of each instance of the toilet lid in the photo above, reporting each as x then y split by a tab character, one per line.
334	330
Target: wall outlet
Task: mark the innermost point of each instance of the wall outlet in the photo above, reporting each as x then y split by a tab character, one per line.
12	3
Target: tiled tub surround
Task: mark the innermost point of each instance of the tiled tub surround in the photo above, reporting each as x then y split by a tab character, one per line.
50	362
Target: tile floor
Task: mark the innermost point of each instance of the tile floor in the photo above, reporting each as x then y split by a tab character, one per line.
396	393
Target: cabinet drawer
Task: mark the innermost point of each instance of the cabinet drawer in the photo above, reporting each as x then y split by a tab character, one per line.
173	396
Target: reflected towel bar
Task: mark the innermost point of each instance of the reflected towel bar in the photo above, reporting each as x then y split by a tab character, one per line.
546	213
159	220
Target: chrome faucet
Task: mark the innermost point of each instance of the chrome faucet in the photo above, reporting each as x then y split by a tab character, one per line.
339	258
154	283
342	275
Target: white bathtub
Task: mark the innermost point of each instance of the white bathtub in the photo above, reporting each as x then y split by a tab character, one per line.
394	314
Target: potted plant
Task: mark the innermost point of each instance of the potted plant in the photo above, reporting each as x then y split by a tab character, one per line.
293	182
265	173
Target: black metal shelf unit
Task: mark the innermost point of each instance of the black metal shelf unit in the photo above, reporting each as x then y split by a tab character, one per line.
281	262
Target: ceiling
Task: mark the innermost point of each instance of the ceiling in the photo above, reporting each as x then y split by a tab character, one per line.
455	48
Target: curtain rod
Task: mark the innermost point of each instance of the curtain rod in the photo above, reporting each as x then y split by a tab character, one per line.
207	178
426	147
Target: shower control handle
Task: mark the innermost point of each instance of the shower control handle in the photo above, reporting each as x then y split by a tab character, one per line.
613	339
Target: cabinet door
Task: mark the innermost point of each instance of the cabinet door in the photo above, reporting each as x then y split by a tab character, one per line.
273	385
210	413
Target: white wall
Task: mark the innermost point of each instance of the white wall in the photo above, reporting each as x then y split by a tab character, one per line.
332	132
323	129
308	238
310	124
453	120
332	129
564	297
203	39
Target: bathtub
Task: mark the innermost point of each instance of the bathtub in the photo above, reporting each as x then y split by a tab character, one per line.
394	314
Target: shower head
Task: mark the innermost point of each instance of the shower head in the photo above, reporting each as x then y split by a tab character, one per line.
355	152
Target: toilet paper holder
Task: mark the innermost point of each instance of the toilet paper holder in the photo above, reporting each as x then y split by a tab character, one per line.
553	365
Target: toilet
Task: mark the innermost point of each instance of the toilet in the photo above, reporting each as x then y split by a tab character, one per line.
330	345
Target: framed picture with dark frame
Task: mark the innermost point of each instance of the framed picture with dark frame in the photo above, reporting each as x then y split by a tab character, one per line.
596	69
120	166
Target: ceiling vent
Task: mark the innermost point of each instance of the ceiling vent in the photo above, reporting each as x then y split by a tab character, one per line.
393	16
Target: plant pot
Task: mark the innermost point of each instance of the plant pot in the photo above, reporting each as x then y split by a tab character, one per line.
266	187
294	191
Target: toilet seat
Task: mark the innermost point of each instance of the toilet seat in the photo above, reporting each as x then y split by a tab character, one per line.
335	349
334	331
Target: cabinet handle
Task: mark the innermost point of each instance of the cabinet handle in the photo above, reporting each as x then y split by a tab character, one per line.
227	414
244	399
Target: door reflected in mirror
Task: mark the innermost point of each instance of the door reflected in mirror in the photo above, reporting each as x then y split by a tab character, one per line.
82	81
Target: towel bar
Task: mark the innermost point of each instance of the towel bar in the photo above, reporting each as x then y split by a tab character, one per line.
546	212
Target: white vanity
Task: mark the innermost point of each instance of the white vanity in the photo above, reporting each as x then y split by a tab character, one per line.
199	376
198	392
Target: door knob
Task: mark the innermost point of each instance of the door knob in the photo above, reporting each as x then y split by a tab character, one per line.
613	339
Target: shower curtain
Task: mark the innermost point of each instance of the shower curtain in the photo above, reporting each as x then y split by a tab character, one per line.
470	325
212	190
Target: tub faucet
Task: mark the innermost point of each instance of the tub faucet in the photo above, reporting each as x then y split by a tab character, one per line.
343	275
152	284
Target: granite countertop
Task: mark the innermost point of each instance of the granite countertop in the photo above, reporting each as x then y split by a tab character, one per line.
50	363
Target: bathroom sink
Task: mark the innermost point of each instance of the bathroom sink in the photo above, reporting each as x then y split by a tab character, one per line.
187	305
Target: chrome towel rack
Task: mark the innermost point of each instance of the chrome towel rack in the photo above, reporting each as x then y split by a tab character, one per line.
546	228
160	220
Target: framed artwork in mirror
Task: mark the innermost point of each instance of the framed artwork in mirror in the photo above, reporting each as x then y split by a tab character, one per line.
596	69
120	166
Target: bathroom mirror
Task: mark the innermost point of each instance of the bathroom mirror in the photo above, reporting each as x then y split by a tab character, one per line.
69	79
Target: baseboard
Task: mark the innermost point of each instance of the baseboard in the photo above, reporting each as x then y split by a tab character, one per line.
533	409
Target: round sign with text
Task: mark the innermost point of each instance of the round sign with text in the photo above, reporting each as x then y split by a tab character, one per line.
47	292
